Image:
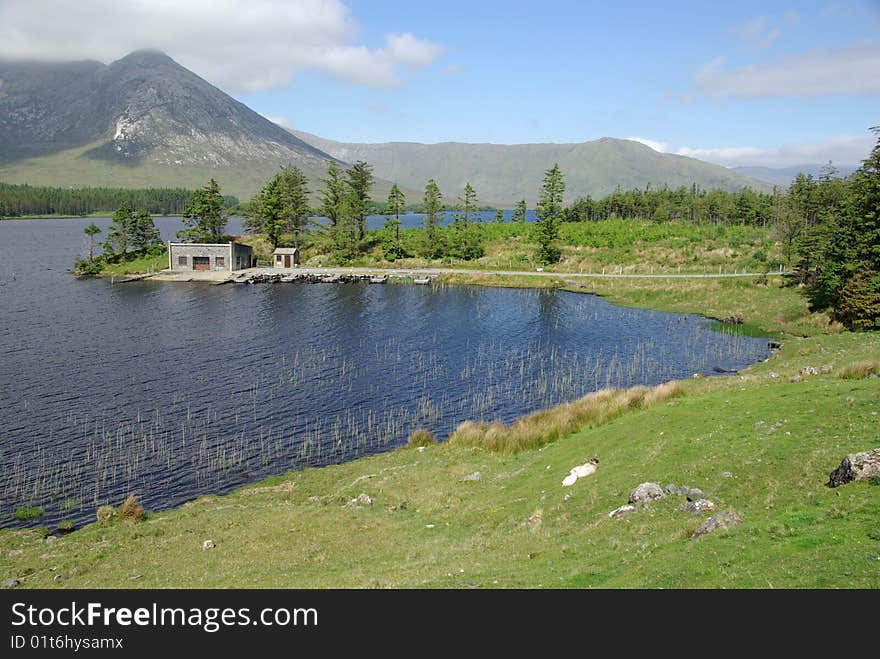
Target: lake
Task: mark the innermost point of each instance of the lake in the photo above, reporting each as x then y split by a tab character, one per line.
172	390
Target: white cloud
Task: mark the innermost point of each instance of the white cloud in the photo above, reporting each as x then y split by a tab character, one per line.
841	150
662	147
757	32
851	70
242	45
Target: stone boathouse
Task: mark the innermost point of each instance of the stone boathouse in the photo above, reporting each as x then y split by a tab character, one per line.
286	257
209	256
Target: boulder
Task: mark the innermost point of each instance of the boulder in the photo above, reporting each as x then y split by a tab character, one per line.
362	499
671	489
11	583
719	522
645	492
623	510
694	494
698	506
856	467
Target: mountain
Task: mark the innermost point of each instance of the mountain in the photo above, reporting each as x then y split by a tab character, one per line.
142	120
783	176
503	174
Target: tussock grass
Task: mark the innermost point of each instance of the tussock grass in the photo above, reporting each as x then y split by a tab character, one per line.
859	370
131	511
545	426
420	437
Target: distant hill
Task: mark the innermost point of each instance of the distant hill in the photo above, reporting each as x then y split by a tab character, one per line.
503	174
142	120
783	176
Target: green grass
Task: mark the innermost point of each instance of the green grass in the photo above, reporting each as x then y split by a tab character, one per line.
515	527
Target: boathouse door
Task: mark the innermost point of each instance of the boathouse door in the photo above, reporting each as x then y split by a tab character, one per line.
201	263
287	260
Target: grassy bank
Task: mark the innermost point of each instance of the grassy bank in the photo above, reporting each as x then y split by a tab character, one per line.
754	443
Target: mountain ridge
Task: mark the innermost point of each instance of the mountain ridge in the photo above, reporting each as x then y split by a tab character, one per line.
505	173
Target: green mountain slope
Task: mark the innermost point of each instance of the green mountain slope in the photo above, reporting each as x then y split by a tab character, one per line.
504	174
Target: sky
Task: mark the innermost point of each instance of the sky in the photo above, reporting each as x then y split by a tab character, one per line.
737	83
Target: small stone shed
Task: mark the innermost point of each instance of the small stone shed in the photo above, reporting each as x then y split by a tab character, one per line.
285	257
209	256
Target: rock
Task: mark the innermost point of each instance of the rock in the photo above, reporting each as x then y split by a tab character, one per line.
719	522
726	474
671	489
856	467
826	368
470	477
362	499
421	449
698	506
733	320
758	425
773	375
695	494
569	480
11	583
566	497
645	492
51	538
208	544
795	378
623	510
773	345
809	370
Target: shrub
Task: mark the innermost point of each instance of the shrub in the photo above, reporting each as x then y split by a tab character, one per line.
131	511
25	513
105	514
421	437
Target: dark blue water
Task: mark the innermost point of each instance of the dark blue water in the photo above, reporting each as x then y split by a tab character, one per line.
168	390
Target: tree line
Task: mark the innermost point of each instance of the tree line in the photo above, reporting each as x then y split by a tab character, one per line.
22	200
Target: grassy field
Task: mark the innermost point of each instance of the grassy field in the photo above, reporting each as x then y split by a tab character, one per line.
613	246
754	443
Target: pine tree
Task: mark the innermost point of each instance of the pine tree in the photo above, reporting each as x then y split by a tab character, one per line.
205	216
91	231
519	212
391	245
281	207
550	214
433	204
359	180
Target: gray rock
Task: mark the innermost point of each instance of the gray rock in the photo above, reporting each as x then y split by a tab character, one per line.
773	375
683	490
11	583
719	522
671	489
208	544
856	467
362	499
470	477
726	474
809	370
698	506
623	510
645	492
695	494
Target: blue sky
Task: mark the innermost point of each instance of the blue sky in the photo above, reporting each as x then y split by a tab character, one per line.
766	83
